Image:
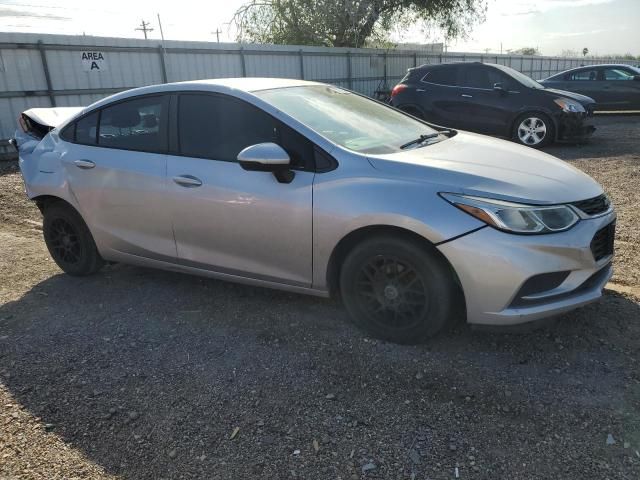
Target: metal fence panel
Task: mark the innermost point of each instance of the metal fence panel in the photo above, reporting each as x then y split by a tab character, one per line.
21	70
44	70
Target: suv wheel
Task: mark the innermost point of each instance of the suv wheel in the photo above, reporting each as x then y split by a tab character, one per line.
69	241
533	130
397	290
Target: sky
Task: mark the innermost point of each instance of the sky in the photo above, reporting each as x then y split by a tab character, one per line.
553	26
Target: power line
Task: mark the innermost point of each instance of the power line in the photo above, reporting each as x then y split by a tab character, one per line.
144	27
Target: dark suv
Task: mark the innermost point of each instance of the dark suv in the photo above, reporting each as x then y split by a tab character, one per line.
493	99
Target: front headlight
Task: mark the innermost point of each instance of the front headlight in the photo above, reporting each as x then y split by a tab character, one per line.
568	105
515	217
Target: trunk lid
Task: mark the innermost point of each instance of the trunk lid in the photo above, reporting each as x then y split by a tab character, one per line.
35	123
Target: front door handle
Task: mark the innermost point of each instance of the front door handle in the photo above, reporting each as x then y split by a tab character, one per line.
466	96
84	164
188	181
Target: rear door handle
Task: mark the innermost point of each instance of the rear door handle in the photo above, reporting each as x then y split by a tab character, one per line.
466	96
84	164
188	181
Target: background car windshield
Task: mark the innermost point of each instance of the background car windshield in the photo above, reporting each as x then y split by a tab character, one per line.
347	119
520	77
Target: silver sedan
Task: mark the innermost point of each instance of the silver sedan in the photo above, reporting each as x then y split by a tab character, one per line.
314	189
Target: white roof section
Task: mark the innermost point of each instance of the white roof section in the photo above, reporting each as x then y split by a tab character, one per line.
249	84
238	86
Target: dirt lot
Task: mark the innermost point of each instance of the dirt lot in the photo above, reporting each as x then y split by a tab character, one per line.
138	374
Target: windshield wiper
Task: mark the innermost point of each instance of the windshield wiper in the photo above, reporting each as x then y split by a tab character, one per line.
424	138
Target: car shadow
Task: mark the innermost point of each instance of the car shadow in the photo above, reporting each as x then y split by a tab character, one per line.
148	373
615	136
8	166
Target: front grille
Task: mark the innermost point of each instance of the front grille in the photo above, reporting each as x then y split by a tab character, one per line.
593	206
602	243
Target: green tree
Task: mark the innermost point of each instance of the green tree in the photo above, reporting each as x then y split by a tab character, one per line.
349	23
527	51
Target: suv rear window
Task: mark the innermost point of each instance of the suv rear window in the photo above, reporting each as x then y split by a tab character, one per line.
442	76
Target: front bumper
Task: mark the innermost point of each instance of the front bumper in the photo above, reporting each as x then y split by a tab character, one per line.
511	279
574	126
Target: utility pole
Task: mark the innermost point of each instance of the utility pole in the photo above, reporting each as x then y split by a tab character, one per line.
161	32
217	32
144	27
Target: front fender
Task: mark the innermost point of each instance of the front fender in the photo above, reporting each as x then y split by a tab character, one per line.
342	205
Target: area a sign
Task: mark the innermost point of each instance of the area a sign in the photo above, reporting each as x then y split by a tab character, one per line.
93	61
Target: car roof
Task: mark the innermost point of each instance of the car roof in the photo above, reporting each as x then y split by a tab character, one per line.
233	86
600	65
588	67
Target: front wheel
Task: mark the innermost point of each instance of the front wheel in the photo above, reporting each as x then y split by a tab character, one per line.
397	289
533	130
69	241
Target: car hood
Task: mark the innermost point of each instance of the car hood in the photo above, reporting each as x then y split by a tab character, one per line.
582	99
479	165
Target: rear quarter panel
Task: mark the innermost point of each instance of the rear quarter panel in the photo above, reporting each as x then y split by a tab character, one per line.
42	169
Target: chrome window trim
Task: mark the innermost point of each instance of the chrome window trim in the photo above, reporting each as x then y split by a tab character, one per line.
422	80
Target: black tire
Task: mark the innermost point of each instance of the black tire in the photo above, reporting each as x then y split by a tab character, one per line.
527	134
408	299
69	241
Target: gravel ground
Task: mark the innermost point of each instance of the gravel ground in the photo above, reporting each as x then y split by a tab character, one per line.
136	374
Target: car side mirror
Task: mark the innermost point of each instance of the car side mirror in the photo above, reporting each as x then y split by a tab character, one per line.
497	87
267	157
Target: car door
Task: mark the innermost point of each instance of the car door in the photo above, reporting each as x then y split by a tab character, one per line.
116	168
226	219
487	110
621	87
587	81
439	95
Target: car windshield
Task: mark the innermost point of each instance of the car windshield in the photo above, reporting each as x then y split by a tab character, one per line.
520	77
348	119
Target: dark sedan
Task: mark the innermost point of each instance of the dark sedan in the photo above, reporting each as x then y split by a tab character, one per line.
613	87
495	100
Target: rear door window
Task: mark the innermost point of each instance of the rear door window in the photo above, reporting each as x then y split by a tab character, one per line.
87	129
218	127
443	76
139	124
584	75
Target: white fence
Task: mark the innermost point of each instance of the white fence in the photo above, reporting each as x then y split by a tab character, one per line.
64	70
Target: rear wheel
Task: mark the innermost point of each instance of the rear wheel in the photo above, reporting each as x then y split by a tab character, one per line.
533	130
69	241
396	289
